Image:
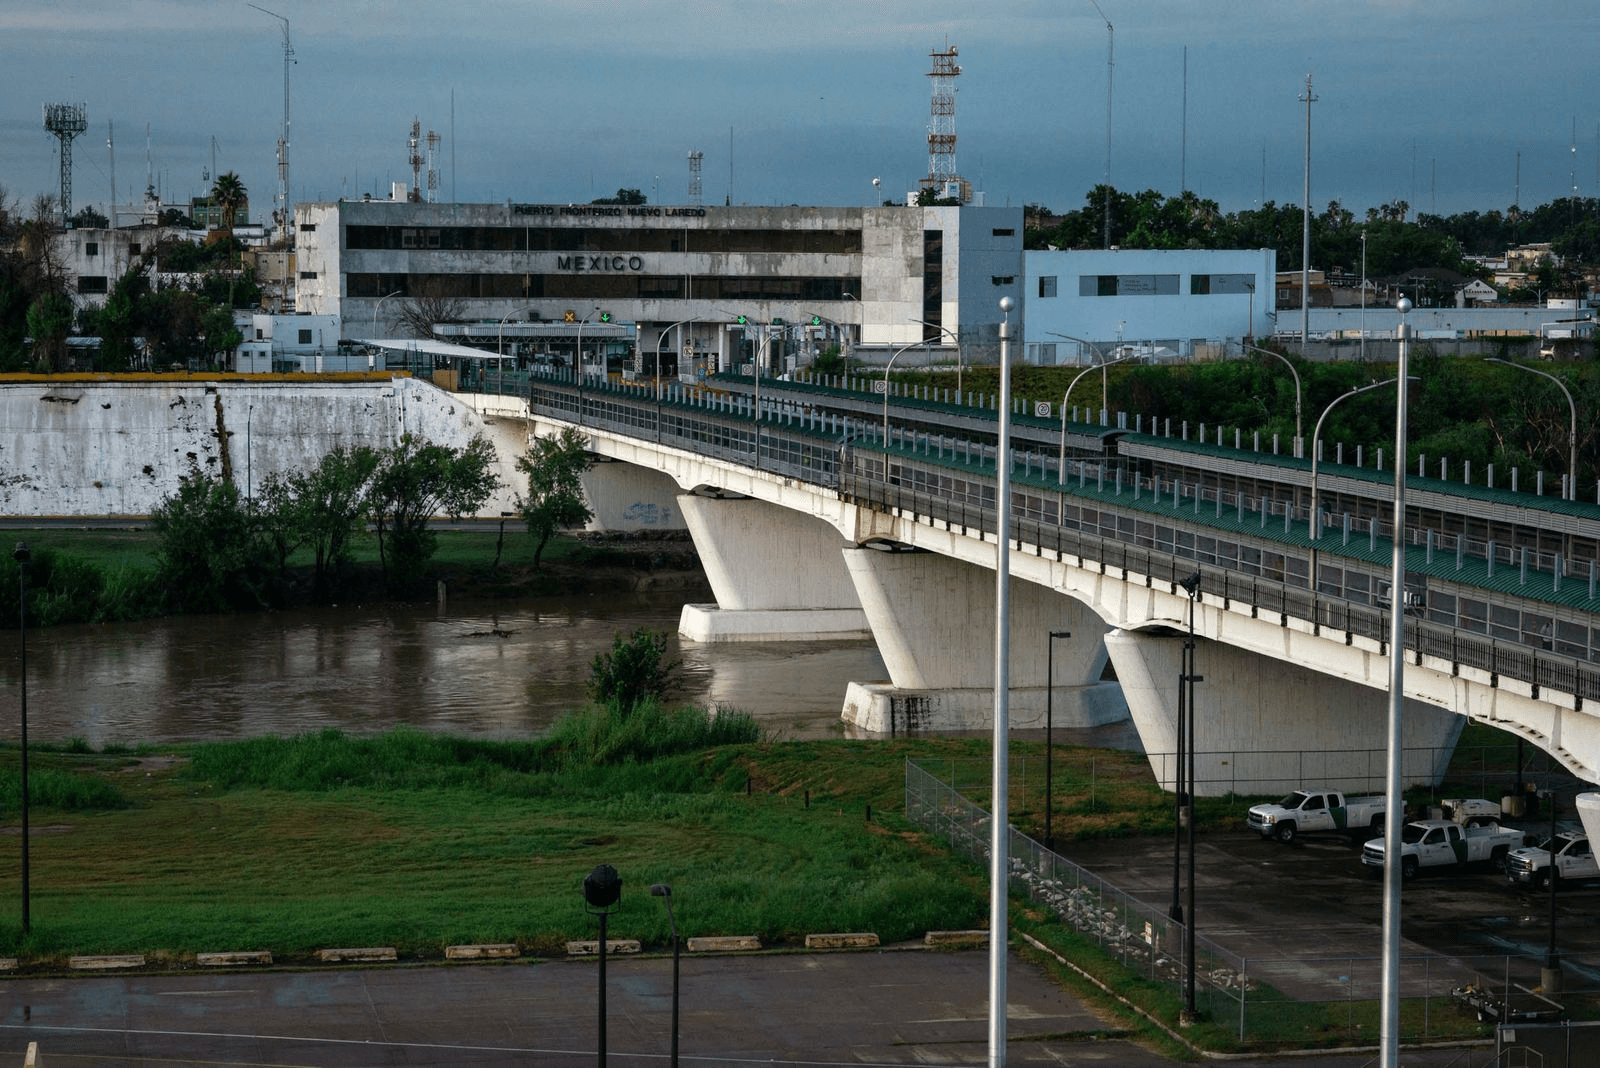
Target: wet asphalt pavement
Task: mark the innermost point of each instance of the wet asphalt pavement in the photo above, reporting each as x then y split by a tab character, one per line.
893	1007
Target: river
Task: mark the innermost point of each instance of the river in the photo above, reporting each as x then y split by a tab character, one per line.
503	670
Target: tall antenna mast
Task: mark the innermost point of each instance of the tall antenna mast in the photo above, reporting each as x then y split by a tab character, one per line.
1111	48
695	157
281	213
433	167
64	122
942	178
414	157
1305	237
111	150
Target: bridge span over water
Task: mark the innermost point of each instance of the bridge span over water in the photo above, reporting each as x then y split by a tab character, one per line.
837	514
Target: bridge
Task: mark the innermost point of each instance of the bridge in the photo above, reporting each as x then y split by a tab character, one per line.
840	513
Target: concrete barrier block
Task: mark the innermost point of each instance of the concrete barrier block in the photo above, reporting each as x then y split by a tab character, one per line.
368	953
106	961
862	940
955	939
591	947
723	944
250	956
8	964
32	1059
480	952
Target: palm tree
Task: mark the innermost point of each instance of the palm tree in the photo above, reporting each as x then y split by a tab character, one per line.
228	194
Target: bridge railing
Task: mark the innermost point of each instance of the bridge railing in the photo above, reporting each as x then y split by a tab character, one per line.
814	446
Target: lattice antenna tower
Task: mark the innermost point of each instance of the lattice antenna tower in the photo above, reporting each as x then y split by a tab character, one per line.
281	213
414	158
433	167
64	122
942	177
695	188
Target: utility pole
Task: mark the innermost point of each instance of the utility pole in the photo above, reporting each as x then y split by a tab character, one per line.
1305	237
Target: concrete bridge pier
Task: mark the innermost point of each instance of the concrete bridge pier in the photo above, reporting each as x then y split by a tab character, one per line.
1268	726
933	618
777	575
627	497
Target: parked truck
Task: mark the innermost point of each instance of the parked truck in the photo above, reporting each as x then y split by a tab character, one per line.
1530	865
1440	843
1313	809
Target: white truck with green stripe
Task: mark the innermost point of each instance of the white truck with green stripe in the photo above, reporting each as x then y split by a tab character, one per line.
1318	809
1444	843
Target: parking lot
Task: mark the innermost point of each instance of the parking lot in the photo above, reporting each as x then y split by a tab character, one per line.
1261	899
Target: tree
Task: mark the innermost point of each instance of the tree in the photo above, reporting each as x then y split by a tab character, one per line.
635	669
624	196
329	502
414	481
228	194
421	313
87	218
554	467
208	555
49	323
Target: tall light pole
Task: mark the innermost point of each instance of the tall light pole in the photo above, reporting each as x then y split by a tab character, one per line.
660	341
581	324
500	339
1061	460
1290	365
1363	295
1305	234
663	891
21	555
1049	735
1191	586
1111	47
602	888
1000	821
378	308
1100	357
1572	426
887	366
1314	523
1389	1017
953	336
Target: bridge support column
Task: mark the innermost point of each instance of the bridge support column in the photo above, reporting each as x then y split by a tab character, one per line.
627	497
776	575
933	619
1265	726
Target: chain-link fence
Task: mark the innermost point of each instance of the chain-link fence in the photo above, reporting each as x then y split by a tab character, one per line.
1307	1000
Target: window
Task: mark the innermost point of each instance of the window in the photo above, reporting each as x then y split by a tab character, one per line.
91	248
1047	285
308	276
1005	232
91	283
133	248
1241	284
305	337
260	334
1127	285
1004	279
308	228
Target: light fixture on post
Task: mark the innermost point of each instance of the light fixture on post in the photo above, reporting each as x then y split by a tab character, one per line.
1049	736
662	890
1314	520
602	888
999	822
1191	586
953	336
1103	363
1572	425
893	356
1061	461
1298	442
378	308
21	555
1389	1012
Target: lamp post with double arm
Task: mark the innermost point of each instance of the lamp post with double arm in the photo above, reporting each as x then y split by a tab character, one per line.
1298	444
1572	425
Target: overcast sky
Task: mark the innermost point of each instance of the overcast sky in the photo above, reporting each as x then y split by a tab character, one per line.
807	101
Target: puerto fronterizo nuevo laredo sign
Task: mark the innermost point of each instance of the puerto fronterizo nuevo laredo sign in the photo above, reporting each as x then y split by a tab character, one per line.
587	263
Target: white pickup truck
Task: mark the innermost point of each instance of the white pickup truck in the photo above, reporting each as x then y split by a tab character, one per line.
1574	860
1312	809
1436	843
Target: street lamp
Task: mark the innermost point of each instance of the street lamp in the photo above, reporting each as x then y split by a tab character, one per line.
378	308
1572	426
954	337
1049	737
842	329
1363	295
1389	1016
1314	523
1061	460
662	340
21	555
500	339
1000	791
892	358
662	890
1289	364
1186	720
1101	357
581	323
602	888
